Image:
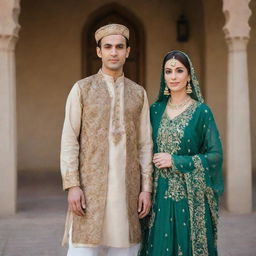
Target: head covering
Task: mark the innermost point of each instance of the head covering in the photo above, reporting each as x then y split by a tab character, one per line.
111	29
196	92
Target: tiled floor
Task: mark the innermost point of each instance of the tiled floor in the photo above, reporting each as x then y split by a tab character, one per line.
37	228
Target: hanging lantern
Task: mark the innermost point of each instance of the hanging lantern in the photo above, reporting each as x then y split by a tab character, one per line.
182	29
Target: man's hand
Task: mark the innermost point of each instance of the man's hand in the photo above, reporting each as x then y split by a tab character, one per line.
144	204
76	201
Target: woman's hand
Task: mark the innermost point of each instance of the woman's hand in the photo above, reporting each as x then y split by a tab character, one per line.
162	160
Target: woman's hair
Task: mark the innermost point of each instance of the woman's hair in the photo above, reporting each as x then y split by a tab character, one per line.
178	56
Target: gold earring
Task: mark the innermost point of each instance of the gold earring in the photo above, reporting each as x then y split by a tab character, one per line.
166	91
189	88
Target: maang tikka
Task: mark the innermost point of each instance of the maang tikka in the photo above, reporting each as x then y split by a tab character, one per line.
173	61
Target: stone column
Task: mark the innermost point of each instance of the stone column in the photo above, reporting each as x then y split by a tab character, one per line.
239	169
9	11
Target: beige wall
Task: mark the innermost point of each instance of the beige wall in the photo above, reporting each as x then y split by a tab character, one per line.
216	57
161	38
49	62
216	63
252	79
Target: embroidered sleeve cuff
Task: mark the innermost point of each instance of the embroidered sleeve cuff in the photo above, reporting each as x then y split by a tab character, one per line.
146	184
182	163
174	167
71	179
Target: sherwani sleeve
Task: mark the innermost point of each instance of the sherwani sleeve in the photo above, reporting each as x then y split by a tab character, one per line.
69	161
145	147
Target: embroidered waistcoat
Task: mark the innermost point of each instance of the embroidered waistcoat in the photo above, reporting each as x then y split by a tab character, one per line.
93	158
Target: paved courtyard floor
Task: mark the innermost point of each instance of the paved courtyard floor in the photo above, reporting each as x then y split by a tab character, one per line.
37	228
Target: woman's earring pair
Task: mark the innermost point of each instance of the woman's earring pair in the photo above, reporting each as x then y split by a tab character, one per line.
189	88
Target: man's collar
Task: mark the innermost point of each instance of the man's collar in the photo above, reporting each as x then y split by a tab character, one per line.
110	78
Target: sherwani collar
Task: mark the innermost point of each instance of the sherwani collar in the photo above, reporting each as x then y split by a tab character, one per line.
109	79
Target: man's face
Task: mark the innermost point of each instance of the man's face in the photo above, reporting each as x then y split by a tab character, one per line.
113	52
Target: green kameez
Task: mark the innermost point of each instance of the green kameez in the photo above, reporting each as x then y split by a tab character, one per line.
184	214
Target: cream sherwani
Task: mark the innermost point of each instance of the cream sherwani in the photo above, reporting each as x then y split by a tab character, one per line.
116	226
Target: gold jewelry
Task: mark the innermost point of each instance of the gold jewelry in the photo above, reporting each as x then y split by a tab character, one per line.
173	61
167	91
180	105
189	88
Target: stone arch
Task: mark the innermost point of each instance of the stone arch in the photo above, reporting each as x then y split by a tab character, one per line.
114	13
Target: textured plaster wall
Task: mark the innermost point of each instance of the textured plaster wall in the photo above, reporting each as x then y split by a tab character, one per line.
216	63
49	62
252	79
216	56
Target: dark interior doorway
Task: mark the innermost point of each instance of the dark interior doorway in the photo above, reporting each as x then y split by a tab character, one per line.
114	13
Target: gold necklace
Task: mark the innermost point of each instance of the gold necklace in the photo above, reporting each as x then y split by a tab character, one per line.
180	105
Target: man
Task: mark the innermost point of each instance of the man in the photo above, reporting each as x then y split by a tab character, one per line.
106	155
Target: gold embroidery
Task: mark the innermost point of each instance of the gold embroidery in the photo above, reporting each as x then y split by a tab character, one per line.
196	190
93	159
133	103
176	187
169	139
214	211
118	131
190	185
152	219
153	214
180	253
172	131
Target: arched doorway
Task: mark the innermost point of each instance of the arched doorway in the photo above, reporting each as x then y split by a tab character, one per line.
114	13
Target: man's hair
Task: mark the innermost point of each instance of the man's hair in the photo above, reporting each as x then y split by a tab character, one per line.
126	42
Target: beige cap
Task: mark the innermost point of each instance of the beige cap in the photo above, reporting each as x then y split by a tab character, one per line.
111	29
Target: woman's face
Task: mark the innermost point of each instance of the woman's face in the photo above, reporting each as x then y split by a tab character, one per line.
176	75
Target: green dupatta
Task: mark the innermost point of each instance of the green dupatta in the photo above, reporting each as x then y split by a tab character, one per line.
204	177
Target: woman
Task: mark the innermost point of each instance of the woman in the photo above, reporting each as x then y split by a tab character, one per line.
187	158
